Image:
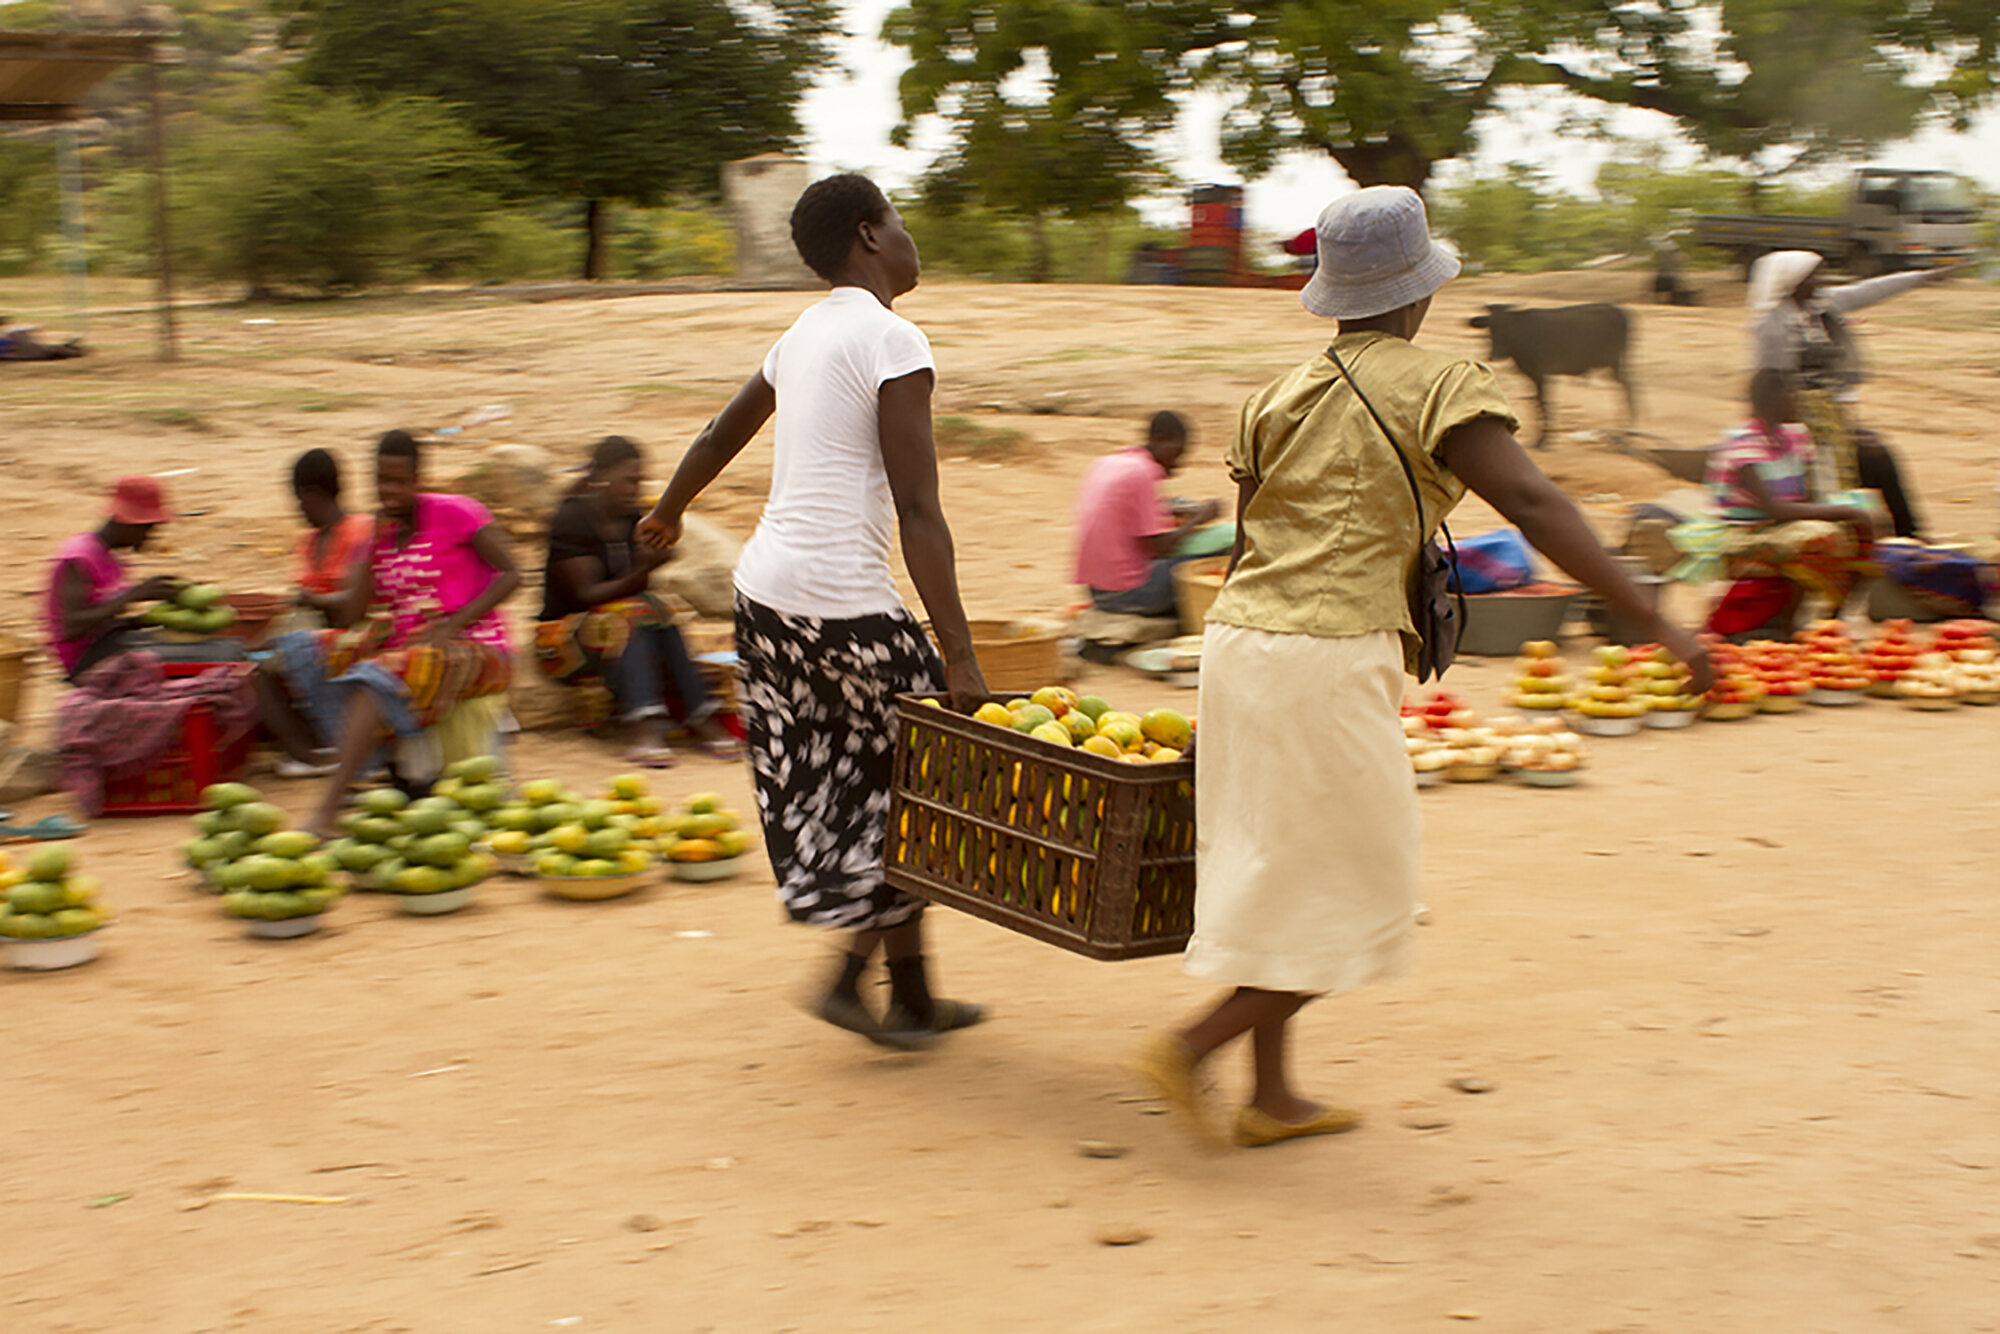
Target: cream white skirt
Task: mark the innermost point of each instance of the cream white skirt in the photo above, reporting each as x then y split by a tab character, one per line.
1307	833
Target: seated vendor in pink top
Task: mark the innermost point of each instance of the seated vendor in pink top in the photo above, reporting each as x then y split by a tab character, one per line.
88	595
1126	534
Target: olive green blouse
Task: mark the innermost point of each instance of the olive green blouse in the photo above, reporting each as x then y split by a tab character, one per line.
1330	538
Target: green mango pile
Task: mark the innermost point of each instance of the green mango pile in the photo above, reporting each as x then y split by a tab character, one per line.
397	846
197	609
264	871
44	900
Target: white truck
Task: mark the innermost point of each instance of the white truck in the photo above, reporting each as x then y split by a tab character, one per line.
1895	219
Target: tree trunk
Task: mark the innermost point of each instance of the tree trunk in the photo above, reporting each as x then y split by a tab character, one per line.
1039	273
596	217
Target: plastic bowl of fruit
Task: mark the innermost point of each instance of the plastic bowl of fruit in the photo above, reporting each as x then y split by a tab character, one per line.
1668	718
719	868
45	956
1730	711
1549	777
1781	703
1597	726
593	888
284	928
1834	697
438	904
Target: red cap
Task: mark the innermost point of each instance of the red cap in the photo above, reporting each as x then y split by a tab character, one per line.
140	501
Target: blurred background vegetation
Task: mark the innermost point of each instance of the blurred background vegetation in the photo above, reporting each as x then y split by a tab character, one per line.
328	146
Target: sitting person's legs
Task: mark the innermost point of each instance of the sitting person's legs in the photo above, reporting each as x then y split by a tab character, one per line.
1155	597
1875	464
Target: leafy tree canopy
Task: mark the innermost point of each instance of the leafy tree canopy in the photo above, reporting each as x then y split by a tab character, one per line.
1390	88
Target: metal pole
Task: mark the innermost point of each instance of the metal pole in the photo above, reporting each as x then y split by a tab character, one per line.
162	234
76	261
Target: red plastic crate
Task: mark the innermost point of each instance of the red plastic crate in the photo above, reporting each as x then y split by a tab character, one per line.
172	784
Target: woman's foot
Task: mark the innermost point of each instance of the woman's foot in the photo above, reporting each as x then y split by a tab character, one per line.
912	1008
717	740
842	1007
1166	1063
1256	1128
651	757
319	766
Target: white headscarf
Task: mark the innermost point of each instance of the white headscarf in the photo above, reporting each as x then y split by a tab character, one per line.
1776	276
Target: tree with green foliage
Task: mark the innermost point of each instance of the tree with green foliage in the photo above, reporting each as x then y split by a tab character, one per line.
334	195
1389	90
1029	162
595	100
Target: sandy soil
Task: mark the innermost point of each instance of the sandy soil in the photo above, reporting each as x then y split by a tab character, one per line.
1734	994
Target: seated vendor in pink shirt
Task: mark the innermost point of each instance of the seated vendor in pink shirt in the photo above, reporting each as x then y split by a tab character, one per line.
88	597
1127	534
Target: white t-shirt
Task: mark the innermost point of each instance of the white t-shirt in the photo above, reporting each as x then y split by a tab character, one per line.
822	547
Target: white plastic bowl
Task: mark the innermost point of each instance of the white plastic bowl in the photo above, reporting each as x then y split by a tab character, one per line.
435	905
1549	777
1668	718
289	928
1608	726
45	956
1836	698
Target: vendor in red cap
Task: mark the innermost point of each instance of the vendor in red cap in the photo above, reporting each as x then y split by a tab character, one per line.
88	595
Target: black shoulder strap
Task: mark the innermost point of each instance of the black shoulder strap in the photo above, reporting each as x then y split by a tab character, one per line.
1416	493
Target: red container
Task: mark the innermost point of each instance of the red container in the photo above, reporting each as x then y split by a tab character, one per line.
172	784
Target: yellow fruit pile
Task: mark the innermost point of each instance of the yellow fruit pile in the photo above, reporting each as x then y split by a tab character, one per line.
264	871
1060	717
45	900
705	832
568	837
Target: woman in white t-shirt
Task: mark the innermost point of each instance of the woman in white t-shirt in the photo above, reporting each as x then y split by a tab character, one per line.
823	641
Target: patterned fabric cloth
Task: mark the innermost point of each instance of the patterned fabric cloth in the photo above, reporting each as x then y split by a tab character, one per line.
582	651
1816	555
1832	427
124	714
416	686
819	705
579	648
1782	455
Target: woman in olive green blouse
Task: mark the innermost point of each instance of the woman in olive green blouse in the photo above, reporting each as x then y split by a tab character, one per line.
1308	831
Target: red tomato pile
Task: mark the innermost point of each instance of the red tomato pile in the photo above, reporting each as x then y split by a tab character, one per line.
1831	659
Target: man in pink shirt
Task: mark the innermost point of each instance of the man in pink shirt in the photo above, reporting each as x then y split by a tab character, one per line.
1126	534
88	595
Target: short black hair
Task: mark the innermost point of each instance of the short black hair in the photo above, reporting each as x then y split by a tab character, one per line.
611	451
399	445
317	470
1167	426
824	219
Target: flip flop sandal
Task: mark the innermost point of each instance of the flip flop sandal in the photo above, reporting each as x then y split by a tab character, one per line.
47	828
723	748
651	757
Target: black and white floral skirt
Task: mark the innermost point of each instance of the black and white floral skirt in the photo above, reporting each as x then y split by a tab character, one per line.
818	705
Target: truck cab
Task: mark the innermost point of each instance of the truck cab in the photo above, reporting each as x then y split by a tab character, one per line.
1908	219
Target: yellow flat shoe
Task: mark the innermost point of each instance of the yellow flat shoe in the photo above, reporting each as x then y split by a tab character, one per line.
1165	1063
1255	1129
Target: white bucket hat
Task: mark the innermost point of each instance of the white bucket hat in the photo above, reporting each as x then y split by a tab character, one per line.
1375	255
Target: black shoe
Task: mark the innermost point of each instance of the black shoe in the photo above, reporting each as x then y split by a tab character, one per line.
852	1015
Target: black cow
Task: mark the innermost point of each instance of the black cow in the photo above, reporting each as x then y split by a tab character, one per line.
1560	340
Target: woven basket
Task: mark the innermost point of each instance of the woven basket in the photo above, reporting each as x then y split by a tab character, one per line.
15	658
1196	584
1076	849
1018	656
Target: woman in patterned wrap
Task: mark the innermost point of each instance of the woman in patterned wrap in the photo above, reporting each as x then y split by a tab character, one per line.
823	641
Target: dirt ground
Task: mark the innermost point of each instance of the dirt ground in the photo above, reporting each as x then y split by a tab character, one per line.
1734	994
